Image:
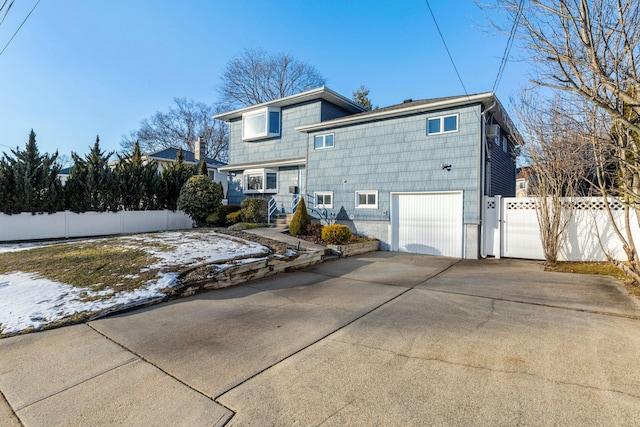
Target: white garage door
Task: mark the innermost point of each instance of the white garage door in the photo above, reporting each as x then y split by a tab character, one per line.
427	223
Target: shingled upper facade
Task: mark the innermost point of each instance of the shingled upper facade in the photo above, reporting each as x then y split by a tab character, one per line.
411	175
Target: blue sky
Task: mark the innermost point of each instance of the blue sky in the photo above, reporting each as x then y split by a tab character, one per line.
81	68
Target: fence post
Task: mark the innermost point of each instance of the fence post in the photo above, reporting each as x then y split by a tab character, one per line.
498	231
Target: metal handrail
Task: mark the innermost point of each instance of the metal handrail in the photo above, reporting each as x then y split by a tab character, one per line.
272	207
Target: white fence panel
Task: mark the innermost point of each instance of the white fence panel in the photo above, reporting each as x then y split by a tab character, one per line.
91	224
589	236
490	226
67	224
520	232
16	227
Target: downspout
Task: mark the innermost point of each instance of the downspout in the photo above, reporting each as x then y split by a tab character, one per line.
483	143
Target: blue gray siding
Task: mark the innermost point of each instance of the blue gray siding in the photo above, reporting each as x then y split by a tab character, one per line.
396	155
290	144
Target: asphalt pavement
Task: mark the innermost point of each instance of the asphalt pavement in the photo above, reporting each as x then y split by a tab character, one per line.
379	339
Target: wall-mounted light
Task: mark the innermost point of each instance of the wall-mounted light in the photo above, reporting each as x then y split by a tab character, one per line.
445	166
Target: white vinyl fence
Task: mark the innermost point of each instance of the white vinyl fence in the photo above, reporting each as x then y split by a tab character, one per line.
511	230
59	225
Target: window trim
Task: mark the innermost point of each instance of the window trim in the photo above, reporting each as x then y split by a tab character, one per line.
322	205
441	120
324	141
258	172
266	111
366	206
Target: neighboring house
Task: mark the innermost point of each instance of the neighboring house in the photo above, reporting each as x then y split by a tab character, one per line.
167	156
522	181
64	174
411	175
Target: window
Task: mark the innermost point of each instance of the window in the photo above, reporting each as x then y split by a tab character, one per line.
262	123
324	199
367	199
323	141
260	181
442	124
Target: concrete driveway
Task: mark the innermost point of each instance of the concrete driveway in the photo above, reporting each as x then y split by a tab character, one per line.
379	339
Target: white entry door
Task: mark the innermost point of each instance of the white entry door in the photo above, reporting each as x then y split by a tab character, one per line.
427	223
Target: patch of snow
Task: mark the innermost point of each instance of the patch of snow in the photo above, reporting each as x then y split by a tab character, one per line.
29	300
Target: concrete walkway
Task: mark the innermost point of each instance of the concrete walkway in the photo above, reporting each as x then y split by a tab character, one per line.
279	235
379	339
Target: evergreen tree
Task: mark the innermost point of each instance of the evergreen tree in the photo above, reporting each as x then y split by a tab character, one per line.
92	185
30	180
198	198
138	182
75	188
203	168
173	179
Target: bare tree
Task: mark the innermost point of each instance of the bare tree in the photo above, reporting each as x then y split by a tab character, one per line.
255	76
592	48
181	127
560	157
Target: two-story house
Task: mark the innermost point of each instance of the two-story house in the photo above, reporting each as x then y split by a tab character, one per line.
411	175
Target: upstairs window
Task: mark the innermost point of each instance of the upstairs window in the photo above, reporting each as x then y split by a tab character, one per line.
323	141
367	199
262	123
260	181
324	199
442	124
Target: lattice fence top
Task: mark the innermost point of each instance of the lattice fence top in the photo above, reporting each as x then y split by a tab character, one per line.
491	204
579	204
523	205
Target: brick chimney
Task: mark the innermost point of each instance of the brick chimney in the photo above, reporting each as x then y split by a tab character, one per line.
200	149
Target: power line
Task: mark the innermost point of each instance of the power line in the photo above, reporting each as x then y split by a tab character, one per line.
446	48
6	12
507	48
23	21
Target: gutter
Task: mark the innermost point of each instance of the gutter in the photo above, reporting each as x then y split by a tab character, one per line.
483	148
481	98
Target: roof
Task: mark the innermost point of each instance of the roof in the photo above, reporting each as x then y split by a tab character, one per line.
171	153
265	164
310	95
487	99
65	171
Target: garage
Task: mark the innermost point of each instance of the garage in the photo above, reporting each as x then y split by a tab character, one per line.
427	223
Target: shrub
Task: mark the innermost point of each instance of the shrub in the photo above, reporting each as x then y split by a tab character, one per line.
336	234
315	230
225	210
199	197
300	220
234	217
254	210
213	219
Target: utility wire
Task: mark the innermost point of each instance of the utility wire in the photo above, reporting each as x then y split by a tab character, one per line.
14	34
6	12
446	48
507	48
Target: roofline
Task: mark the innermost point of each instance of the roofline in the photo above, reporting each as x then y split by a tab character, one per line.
310	95
288	162
485	98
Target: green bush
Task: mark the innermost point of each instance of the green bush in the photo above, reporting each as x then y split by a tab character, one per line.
223	211
336	234
300	220
199	197
234	217
254	210
213	219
